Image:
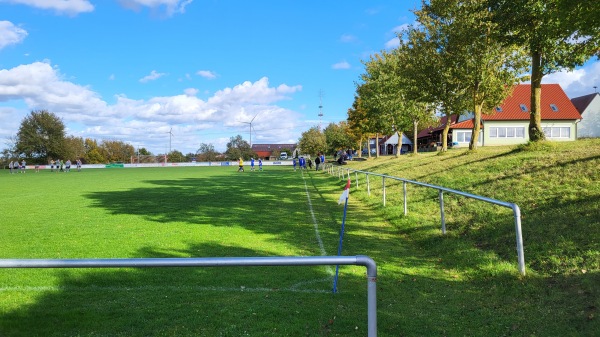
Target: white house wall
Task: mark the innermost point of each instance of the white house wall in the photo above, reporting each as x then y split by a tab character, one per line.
590	123
488	140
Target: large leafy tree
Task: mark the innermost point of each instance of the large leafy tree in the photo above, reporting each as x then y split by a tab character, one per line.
558	35
484	69
206	152
337	137
41	136
116	150
312	141
74	148
237	148
358	124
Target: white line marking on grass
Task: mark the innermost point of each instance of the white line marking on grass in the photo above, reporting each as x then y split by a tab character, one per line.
292	289
316	225
312	214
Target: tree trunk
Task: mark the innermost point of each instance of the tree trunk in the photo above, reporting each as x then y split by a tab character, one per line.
377	145
476	128
360	147
399	145
414	146
445	134
535	115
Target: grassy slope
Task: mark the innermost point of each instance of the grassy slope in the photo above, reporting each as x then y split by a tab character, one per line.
467	281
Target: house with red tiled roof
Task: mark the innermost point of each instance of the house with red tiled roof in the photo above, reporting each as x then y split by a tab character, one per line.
509	122
266	151
589	108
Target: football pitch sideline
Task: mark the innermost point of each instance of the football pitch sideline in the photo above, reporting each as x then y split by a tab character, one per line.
175	212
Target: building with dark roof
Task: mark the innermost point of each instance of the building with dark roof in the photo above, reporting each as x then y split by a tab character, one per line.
589	108
266	151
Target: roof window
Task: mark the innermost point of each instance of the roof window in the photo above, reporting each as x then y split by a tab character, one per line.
498	109
523	107
554	107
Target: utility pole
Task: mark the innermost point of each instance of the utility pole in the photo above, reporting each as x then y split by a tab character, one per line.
320	108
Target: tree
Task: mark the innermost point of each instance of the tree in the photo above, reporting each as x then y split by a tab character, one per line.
116	151
357	124
484	70
74	148
176	157
337	137
239	148
312	141
558	34
206	152
41	136
92	152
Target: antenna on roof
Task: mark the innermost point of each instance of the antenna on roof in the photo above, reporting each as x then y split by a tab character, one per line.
595	91
320	108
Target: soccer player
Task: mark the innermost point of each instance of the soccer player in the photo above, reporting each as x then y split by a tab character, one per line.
251	164
294	163
241	169
259	164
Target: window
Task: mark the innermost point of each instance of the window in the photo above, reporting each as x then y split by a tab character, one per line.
554	107
498	109
557	132
523	107
462	136
507	132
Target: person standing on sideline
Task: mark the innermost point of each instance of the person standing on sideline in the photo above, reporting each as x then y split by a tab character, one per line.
241	169
322	159
22	166
68	165
10	166
78	165
259	164
317	162
252	164
309	163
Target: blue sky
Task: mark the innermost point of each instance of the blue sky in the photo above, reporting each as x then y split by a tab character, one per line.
133	70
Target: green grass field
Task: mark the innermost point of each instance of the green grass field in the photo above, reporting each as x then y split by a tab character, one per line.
464	283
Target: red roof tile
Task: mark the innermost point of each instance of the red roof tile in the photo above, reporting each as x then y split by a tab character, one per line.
551	94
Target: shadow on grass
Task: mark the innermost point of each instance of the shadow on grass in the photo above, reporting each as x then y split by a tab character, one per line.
226	301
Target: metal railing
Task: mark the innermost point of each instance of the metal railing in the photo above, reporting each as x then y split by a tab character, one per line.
342	172
359	260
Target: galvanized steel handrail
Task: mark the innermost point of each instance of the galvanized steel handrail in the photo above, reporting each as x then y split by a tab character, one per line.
514	207
359	260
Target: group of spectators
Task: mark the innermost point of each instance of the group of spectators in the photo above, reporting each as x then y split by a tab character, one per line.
302	162
55	166
15	167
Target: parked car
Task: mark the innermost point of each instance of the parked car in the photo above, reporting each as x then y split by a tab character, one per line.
283	156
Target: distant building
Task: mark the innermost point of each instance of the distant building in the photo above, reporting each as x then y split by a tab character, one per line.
589	108
509	123
265	151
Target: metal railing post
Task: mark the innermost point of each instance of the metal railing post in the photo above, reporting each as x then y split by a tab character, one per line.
368	185
356	176
520	250
405	198
383	183
441	196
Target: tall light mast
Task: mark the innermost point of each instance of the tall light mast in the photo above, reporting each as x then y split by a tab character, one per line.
320	108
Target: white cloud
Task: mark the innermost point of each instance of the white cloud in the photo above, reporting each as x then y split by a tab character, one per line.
578	82
11	34
207	74
170	7
341	65
347	38
141	122
70	7
153	76
393	43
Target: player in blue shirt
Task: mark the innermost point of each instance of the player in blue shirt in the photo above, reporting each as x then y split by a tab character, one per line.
251	164
259	164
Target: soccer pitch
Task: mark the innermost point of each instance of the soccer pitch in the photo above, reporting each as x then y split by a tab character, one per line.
175	212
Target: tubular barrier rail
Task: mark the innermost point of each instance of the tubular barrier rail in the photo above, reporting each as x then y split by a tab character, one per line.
343	172
359	260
